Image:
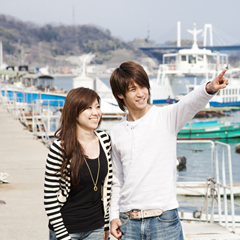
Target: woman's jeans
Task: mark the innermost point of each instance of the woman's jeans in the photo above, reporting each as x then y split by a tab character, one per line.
167	226
90	235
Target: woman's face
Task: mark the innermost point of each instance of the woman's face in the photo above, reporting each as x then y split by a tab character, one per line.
90	117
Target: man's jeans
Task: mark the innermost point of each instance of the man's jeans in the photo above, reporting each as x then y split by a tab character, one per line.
164	227
90	235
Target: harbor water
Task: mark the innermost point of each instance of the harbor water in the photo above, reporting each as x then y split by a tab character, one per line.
198	155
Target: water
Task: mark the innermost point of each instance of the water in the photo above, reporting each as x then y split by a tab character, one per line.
198	166
64	83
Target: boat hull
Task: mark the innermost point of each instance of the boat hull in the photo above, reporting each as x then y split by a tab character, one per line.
224	104
212	132
53	99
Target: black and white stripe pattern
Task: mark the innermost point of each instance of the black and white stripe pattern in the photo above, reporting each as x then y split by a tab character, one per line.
56	189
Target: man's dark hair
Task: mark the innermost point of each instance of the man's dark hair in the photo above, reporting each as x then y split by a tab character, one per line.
127	74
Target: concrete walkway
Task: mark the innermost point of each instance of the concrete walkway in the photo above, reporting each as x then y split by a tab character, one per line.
22	216
23	158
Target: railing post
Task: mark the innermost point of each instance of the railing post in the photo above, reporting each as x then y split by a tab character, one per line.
231	187
225	186
48	127
212	183
218	187
224	189
33	120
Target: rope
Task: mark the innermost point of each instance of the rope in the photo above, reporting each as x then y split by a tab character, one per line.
213	195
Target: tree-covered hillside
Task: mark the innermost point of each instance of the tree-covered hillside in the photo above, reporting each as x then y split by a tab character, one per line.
28	42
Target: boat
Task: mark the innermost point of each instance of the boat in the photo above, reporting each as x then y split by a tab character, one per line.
25	87
203	65
109	105
209	130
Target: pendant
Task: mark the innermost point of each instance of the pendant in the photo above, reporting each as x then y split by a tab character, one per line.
95	188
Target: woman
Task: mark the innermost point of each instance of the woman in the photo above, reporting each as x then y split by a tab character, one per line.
79	171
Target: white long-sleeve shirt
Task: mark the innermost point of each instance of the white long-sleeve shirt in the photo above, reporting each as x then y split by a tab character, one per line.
144	155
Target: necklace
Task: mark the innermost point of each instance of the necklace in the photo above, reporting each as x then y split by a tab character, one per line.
94	183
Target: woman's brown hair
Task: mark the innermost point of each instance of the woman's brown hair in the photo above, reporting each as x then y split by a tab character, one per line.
128	73
77	101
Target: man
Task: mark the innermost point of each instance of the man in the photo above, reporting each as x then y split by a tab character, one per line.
144	204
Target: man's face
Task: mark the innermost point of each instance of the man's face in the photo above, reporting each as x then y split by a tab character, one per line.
136	97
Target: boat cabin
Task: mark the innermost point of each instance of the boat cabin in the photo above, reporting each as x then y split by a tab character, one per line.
195	61
38	80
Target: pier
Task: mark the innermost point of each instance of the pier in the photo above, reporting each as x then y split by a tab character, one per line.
22	211
21	200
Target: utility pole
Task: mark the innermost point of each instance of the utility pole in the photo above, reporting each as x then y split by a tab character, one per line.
39	50
148	36
1	54
73	16
22	55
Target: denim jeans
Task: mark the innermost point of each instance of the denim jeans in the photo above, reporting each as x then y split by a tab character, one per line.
96	234
164	227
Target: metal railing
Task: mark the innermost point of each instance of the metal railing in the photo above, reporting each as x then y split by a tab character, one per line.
39	115
215	159
45	112
224	147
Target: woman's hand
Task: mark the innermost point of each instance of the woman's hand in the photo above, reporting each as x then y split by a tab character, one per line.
106	235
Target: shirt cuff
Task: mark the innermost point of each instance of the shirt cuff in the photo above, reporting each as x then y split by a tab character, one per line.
210	93
114	215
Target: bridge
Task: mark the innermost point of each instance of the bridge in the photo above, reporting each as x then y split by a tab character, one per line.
158	50
176	48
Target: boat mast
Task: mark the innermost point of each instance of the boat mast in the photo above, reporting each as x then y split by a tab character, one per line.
194	32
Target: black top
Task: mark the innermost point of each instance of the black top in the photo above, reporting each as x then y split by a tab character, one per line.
83	210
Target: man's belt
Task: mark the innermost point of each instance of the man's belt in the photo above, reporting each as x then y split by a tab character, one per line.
139	214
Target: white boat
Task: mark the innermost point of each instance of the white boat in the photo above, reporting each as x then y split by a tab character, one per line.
109	104
200	63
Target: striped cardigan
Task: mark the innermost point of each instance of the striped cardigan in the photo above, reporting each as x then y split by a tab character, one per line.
56	189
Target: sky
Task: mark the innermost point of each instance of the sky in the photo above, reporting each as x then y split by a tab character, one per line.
131	19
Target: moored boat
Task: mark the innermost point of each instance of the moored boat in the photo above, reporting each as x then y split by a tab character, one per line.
209	130
203	65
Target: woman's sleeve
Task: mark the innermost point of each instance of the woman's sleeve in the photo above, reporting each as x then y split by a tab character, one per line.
109	182
51	189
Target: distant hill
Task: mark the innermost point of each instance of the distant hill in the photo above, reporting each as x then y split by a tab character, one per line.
29	43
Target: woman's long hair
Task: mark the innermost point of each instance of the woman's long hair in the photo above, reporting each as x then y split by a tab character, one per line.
77	101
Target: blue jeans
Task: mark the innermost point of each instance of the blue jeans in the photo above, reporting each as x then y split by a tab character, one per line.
96	234
164	227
